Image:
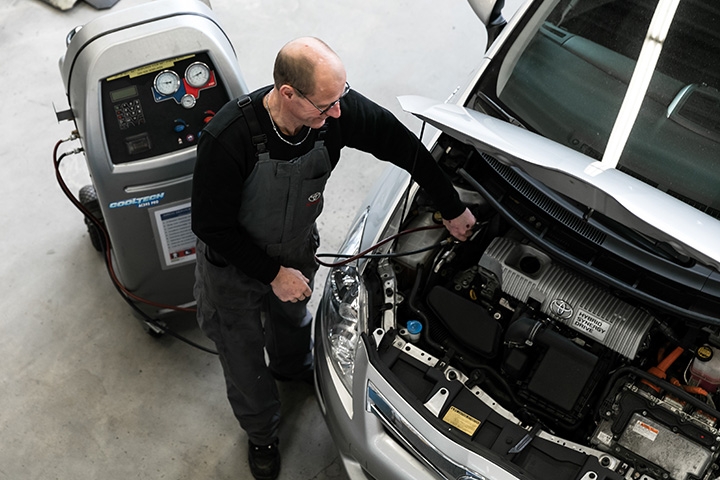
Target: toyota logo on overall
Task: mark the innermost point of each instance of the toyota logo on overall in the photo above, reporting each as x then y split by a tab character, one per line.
314	198
561	308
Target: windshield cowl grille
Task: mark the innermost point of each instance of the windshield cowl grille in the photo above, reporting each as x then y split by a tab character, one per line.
593	249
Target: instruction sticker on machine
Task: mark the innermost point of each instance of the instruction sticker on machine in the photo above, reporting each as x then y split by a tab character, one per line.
173	230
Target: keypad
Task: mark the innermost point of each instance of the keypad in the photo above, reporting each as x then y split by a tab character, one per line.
129	114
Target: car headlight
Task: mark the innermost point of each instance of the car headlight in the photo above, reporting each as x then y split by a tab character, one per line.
342	322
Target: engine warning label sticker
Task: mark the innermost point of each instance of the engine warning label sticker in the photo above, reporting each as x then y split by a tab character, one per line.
590	324
462	421
647	431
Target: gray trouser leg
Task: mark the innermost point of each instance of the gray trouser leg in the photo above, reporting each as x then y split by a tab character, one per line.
229	305
288	337
251	389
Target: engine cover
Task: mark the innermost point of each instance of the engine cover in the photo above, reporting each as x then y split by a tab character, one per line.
527	273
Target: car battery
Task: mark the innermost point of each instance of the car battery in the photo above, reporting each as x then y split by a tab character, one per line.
141	84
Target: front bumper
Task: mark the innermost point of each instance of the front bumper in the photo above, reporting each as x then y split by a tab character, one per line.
380	436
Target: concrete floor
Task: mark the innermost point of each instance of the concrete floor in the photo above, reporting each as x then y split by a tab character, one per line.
84	392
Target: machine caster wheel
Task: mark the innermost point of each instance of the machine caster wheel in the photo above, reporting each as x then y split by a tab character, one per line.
88	198
154	331
154	328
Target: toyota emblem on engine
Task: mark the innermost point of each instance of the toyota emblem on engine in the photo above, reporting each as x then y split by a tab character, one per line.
561	309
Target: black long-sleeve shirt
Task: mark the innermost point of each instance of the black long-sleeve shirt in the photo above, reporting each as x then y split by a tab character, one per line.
226	157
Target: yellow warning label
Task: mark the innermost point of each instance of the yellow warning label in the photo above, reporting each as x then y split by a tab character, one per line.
462	421
145	69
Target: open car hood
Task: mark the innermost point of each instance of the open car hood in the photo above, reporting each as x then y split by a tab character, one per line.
606	190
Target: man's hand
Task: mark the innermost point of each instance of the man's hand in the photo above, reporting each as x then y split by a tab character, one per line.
290	285
461	227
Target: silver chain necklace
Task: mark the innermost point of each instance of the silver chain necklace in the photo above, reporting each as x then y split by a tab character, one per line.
267	105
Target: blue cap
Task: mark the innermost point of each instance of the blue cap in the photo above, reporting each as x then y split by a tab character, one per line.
414	327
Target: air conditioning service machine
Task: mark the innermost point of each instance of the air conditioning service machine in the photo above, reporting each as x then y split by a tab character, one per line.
141	83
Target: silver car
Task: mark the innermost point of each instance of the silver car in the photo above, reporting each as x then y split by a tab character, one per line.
576	335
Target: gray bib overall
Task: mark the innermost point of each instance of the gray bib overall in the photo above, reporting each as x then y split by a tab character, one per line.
280	202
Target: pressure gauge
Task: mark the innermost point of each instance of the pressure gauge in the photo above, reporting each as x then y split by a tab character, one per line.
197	74
187	101
167	82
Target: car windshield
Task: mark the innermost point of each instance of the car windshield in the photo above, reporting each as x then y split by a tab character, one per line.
630	83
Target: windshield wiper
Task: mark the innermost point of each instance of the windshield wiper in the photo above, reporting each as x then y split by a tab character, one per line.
499	110
659	248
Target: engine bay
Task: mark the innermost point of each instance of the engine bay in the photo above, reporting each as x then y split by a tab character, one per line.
516	352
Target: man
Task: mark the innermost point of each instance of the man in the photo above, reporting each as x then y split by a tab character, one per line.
262	165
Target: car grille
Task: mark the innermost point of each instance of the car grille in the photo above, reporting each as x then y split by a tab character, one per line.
413	441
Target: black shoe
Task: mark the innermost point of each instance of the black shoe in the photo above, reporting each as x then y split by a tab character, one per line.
264	461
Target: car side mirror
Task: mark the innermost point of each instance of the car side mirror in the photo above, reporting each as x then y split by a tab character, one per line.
485	9
490	14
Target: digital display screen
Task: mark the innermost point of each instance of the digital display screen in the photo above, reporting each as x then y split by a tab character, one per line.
123	93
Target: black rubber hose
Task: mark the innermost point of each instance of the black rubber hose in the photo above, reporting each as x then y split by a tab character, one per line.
419	313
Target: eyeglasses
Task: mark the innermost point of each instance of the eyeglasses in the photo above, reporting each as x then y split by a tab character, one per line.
325	110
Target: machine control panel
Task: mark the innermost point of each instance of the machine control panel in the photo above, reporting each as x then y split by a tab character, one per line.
161	107
129	113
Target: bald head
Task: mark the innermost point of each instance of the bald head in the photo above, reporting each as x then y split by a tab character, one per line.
307	64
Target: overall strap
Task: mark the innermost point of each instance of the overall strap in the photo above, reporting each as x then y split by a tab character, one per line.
259	139
320	140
